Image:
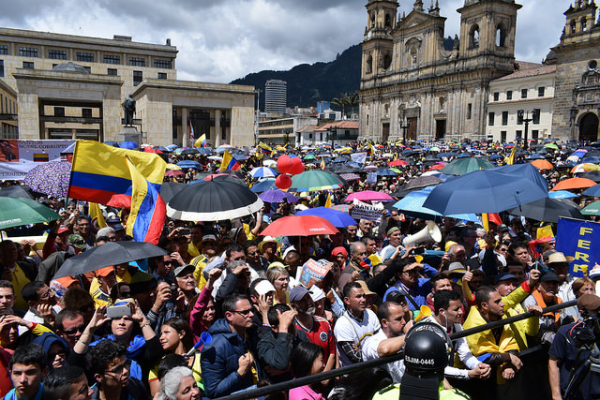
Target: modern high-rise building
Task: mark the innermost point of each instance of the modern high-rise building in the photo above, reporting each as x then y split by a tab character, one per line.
275	95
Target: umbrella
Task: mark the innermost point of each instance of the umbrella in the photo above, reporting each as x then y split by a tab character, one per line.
349	177
163	149
368	195
386	172
111	143
186	152
204	150
173	167
412	204
310	181
174	172
213	200
344	169
574	183
262	172
398	163
339	219
169	189
422	182
561	194
188	164
551	146
128	145
18	211
23	191
265	185
593	191
585	167
548	210
463	166
592	175
277	196
51	178
489	191
111	253
592	209
542	164
303	225
342	207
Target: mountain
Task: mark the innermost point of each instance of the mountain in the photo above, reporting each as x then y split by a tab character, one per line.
308	84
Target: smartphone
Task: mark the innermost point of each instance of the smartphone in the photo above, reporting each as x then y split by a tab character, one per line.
116	312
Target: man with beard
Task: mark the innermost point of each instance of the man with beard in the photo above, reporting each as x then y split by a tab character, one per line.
358	253
253	257
317	329
546	295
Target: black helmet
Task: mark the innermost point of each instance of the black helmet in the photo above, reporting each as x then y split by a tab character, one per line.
426	348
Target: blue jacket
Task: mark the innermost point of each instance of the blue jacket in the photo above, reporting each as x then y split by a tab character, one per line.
220	361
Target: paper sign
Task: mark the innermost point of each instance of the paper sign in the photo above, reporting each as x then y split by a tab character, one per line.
313	272
366	211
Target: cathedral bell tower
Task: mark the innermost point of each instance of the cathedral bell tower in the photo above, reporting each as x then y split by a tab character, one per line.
377	47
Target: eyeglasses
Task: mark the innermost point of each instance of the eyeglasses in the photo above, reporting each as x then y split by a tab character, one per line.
73	331
253	253
112	238
46	295
119	370
243	313
169	262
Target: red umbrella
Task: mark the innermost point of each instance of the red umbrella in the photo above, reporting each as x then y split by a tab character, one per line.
173	172
369	195
398	163
437	167
303	225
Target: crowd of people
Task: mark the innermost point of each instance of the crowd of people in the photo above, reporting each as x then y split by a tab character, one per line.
225	310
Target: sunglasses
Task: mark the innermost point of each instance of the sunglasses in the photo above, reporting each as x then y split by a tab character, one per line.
73	331
243	313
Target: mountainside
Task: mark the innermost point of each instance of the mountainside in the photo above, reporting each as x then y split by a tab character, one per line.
307	84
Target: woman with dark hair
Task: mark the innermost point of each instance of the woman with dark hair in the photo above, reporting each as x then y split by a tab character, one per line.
307	359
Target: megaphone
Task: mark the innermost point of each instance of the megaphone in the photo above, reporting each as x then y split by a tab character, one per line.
424	312
430	233
205	338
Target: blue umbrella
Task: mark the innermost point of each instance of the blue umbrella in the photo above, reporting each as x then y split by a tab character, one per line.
561	194
591	159
463	155
489	191
535	157
593	191
386	172
263	186
339	219
128	145
495	157
111	143
277	196
163	149
262	172
188	164
205	150
412	204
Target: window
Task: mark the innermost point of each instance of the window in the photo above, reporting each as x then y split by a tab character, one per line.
137	61
523	93
112	72
28	65
541	91
86	112
85	57
509	95
474	37
504	118
3	49
535	134
112	59
28	52
88	69
59	111
503	136
491	117
535	115
137	77
496	96
57	54
520	117
166	64
519	134
2	68
162	75
469	110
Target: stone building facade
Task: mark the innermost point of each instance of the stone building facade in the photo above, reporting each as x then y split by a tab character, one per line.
577	59
412	86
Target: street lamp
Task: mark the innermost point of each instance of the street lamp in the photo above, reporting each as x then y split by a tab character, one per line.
404	127
332	135
524	116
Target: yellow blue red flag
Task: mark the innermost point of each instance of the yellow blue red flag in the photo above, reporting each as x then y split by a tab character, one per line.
264	148
201	142
229	163
97	217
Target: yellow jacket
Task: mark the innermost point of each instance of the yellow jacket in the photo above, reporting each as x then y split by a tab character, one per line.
529	326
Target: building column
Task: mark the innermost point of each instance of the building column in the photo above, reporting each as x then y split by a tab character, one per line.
217	128
74	134
185	129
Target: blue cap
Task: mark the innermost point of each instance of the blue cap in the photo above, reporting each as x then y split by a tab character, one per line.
505	277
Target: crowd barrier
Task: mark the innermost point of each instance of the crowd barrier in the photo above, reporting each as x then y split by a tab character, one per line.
284	386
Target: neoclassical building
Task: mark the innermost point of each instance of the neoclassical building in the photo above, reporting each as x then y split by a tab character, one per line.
411	85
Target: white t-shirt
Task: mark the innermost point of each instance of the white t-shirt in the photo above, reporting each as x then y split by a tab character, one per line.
369	352
347	329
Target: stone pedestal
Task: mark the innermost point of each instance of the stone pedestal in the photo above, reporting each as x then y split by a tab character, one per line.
129	134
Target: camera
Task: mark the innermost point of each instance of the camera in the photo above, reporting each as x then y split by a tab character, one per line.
184	231
117	312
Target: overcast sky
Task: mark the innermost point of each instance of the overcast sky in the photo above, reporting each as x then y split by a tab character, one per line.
221	40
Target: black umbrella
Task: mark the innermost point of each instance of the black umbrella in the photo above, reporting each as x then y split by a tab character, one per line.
422	182
190	151
548	210
344	169
111	253
213	200
17	191
593	175
169	189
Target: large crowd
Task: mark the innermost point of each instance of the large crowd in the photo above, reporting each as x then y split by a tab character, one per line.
225	310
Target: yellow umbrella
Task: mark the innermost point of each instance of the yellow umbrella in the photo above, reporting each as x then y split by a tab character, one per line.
173	167
585	167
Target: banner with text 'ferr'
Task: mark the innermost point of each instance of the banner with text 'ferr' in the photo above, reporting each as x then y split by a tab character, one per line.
579	239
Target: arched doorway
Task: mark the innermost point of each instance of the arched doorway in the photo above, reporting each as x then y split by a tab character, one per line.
588	128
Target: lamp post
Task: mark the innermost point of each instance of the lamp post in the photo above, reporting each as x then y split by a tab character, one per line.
404	127
332	135
524	116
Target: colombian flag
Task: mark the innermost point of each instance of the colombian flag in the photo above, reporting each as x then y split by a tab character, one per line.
97	217
229	163
264	148
372	261
201	142
370	150
100	173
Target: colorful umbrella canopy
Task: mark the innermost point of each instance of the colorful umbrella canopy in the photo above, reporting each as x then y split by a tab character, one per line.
310	181
262	172
173	167
51	178
542	164
386	172
592	175
265	185
174	172
303	225
213	200
585	167
422	182
128	145
463	166
277	196
551	146
561	194
350	177
18	211
548	210
342	207
368	195
592	209
593	191
398	163
339	219
574	183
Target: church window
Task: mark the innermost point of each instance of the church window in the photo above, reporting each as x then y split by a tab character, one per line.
523	93
509	95
541	91
413	54
500	35
573	26
469	111
504	118
388	21
372	20
491	118
496	96
583	24
369	65
387	61
474	37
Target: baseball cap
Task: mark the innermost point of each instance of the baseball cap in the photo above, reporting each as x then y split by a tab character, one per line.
549	276
298	293
368	292
395	296
594	272
502	228
105	271
118	228
113	220
264	287
316	293
62	229
505	277
185	268
77	241
208	238
589	301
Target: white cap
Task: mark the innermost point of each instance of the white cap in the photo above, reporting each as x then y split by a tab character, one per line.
264	287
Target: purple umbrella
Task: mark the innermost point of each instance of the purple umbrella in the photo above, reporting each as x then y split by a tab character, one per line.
276	196
51	178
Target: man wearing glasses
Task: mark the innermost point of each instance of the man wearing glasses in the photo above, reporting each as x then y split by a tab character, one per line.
220	373
70	325
42	304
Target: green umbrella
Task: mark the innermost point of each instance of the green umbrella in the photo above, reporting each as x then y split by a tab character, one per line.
463	166
309	157
310	181
551	146
592	209
17	211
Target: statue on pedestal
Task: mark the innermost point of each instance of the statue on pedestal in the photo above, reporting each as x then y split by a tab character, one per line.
129	110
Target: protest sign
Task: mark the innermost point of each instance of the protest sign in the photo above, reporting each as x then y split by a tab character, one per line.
366	211
575	238
17	157
313	272
372	177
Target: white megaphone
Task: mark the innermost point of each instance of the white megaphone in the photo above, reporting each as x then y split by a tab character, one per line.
431	233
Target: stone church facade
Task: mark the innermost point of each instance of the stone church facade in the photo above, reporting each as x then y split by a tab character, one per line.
412	86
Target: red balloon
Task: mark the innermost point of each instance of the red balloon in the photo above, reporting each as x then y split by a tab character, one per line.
284	163
283	181
297	166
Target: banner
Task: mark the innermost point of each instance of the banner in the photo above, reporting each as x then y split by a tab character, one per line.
576	238
17	157
360	158
366	211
